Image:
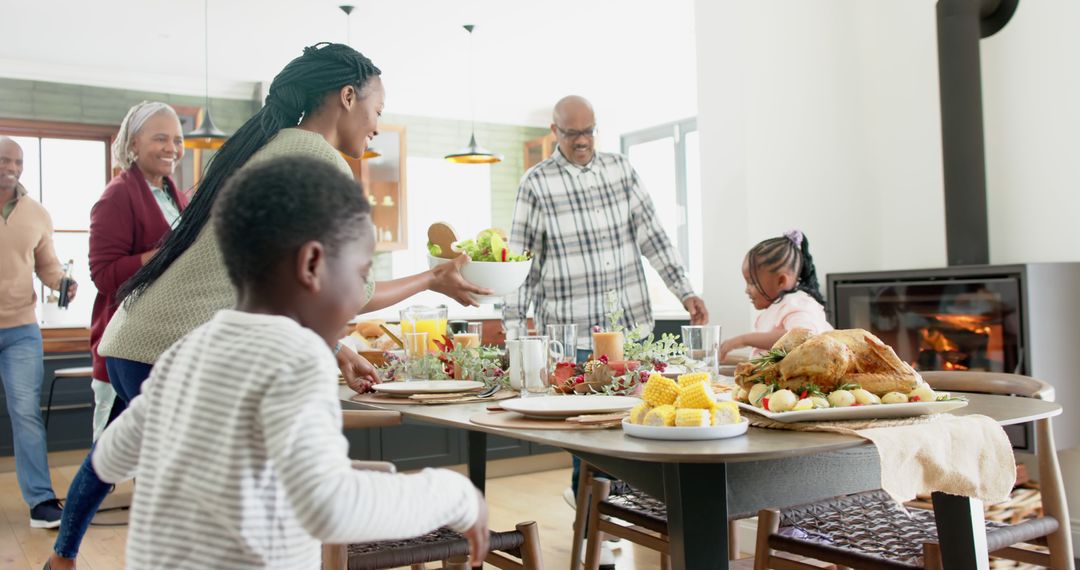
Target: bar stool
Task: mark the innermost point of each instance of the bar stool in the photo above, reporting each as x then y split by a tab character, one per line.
65	373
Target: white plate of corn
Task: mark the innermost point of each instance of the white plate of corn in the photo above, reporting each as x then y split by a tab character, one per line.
684	433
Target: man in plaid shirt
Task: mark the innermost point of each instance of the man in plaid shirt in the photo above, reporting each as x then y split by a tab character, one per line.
587	220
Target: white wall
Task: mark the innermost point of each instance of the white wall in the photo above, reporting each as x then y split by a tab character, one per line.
820	116
1031	86
825	115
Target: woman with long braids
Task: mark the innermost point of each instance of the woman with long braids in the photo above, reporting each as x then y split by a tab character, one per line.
782	283
323	104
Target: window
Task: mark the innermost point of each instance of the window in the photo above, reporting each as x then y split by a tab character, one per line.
65	168
666	157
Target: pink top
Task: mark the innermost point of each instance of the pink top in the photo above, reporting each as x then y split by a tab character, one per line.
794	311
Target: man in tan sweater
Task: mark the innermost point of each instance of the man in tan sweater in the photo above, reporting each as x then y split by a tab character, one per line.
26	247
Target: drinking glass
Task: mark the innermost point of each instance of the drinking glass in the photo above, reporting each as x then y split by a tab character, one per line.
431	320
468	338
515	332
703	347
416	348
536	356
567	337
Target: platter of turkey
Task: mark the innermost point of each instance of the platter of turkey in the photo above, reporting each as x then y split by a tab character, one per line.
837	375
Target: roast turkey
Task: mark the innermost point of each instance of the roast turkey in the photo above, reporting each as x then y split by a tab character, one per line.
830	360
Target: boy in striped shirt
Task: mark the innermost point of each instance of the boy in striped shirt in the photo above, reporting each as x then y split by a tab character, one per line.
236	439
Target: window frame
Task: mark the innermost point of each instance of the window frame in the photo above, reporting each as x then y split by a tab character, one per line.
62	130
676	130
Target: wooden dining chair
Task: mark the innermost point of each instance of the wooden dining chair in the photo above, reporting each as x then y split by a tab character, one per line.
518	549
646	518
869	530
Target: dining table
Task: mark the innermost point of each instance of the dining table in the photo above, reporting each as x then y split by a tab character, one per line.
704	484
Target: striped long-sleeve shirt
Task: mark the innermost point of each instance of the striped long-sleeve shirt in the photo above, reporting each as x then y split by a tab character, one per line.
587	227
237	446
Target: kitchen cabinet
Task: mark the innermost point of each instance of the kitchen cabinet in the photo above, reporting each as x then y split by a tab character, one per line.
539	149
385	184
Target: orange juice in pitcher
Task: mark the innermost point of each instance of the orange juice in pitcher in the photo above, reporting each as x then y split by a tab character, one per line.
431	320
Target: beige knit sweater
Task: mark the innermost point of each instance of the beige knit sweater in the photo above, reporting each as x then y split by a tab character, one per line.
26	247
196	285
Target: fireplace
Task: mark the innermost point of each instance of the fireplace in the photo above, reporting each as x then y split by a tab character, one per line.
1023	319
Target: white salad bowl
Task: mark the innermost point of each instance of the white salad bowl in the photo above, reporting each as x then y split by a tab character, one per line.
503	278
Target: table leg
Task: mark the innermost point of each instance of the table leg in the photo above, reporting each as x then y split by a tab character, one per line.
961	531
477	444
697	515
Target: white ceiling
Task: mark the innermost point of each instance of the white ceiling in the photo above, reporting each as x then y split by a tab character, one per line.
634	58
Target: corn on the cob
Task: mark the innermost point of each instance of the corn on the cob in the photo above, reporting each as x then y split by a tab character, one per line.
696	396
725	413
661	416
660	390
687	380
637	413
691	417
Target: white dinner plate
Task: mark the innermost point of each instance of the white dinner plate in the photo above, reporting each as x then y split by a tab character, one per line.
870	412
427	387
685	433
558	407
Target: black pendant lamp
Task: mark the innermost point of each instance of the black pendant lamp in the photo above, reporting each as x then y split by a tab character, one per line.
473	153
207	135
370	151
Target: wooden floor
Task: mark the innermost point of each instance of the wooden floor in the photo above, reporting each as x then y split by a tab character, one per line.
514	499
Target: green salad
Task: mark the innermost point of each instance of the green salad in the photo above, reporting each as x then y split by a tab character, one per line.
488	246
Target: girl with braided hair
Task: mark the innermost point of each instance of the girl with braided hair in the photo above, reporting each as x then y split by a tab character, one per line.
782	283
323	104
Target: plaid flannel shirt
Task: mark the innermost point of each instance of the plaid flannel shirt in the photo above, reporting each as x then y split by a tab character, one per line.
587	227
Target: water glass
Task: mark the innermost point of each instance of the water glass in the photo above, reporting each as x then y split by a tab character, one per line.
514	332
703	347
416	348
566	335
536	354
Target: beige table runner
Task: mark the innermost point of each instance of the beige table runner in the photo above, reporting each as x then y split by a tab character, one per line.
969	456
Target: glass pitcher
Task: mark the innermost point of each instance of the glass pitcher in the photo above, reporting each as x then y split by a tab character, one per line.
431	320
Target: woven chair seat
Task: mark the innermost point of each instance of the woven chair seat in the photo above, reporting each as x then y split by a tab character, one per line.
870	530
441	544
635	507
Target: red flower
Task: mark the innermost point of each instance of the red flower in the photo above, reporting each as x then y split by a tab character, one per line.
644	375
659	366
447	344
579	379
603	358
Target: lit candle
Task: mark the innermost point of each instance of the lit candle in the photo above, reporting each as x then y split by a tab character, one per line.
608	344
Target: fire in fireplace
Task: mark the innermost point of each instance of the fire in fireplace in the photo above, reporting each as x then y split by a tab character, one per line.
1005	318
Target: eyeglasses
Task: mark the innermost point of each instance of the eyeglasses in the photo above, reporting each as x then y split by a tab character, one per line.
588	133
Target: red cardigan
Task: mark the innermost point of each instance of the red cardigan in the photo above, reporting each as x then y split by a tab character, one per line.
124	223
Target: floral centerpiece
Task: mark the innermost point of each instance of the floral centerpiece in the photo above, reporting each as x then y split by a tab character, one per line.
643	355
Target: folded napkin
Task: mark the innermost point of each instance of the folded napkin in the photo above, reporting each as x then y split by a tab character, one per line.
969	456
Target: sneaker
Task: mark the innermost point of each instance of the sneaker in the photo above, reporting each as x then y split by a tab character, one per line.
46	514
570	498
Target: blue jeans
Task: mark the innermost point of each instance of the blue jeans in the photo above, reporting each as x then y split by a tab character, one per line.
22	368
87	491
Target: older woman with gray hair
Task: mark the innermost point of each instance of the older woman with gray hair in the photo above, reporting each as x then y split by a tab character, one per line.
137	209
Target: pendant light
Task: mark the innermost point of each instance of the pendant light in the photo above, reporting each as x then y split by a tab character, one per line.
370	151
473	153
207	135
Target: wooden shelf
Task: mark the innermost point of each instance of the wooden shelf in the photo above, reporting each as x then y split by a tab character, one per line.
384	182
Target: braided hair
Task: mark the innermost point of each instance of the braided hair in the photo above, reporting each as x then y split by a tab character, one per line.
297	92
790	252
